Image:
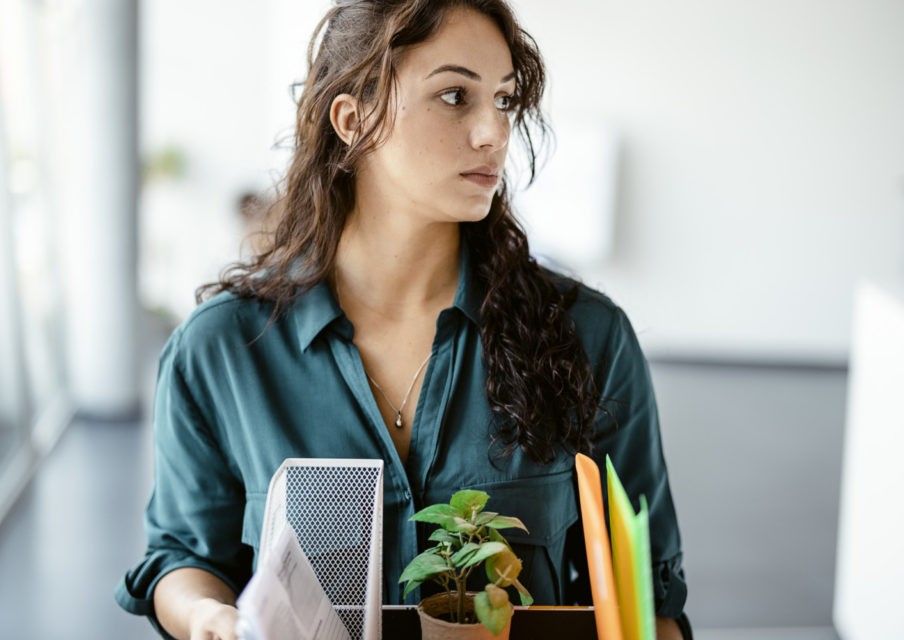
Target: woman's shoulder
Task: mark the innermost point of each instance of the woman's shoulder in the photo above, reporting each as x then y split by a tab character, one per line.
597	317
584	299
223	314
231	321
220	324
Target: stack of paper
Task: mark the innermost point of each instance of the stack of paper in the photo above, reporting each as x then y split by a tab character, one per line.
284	599
621	581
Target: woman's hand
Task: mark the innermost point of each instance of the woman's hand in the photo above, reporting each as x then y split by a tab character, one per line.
213	620
667	629
192	604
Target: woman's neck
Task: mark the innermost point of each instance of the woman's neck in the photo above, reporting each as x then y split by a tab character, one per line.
395	268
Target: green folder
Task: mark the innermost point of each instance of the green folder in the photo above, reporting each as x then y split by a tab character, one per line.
630	535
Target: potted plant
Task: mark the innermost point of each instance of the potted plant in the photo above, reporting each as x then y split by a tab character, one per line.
467	538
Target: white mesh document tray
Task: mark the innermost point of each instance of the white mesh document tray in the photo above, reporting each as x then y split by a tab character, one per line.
335	507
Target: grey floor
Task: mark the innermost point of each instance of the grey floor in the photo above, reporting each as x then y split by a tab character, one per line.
754	455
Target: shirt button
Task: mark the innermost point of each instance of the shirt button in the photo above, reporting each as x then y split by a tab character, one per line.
406	495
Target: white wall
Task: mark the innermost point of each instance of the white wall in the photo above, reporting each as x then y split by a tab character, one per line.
867	577
763	161
215	85
762	166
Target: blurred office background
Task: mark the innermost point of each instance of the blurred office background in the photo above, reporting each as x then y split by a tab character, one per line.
731	173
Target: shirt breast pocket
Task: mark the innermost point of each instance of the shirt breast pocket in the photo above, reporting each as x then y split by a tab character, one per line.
253	521
547	505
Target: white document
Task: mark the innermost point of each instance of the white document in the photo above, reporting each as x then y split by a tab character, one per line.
344	541
284	599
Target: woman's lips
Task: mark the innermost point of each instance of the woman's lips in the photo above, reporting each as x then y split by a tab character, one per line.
487	180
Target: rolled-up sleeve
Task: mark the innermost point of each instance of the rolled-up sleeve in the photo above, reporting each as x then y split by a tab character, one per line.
633	441
194	515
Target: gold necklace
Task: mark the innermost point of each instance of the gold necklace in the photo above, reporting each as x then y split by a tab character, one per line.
398	420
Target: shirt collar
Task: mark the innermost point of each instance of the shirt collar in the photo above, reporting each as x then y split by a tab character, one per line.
314	311
469	294
317	309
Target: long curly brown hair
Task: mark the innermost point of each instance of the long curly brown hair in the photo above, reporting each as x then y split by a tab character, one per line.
540	386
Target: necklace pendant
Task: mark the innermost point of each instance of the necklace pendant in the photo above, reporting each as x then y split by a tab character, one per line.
398	420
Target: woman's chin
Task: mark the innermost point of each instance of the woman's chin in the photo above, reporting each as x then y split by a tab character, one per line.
474	213
477	217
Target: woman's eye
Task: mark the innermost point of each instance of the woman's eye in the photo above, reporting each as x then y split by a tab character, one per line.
453	97
504	103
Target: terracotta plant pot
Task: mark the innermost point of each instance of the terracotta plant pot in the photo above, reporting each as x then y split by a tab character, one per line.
435	628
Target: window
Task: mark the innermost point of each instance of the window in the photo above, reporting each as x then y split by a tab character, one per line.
33	406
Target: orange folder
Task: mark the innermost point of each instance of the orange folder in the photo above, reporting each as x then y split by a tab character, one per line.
599	555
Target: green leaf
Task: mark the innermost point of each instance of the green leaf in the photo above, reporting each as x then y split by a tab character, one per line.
464	554
424	566
460	525
506	522
468	501
442	514
486	550
441	535
495	536
484	517
411	586
526	598
493	618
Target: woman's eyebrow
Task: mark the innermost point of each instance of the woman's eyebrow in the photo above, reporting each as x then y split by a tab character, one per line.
464	71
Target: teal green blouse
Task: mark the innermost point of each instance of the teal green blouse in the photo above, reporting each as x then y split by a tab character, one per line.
237	394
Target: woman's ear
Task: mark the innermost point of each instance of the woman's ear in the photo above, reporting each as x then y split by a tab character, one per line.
344	117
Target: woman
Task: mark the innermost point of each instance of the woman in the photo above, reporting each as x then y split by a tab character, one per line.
397	314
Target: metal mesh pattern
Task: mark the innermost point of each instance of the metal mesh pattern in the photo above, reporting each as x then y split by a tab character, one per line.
331	510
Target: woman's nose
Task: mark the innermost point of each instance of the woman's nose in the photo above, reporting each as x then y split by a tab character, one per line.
491	129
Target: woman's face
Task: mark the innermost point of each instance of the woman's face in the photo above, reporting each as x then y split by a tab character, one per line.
445	154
